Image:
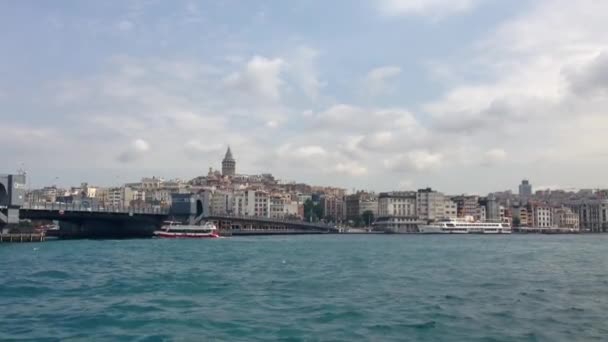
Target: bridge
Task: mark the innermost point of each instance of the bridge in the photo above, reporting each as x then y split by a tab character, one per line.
12	195
96	221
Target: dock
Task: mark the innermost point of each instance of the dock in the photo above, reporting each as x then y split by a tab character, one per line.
19	238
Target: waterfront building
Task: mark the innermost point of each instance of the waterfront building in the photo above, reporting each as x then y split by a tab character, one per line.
360	202
542	216
120	196
525	190
592	213
221	203
451	209
302	198
281	206
159	197
334	207
370	204
46	194
397	212
565	218
251	203
402	204
430	204
492	209
466	206
521	213
480	214
228	164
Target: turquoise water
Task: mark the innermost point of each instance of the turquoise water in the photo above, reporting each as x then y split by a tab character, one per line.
308	288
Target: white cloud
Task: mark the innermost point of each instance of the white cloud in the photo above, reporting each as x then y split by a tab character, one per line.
345	117
377	140
197	149
590	78
523	97
141	145
377	81
539	91
350	168
494	156
415	161
261	77
425	7
310	151
134	152
125	25
272	124
303	68
406	184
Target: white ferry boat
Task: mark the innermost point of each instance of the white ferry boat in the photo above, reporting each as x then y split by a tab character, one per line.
177	230
465	227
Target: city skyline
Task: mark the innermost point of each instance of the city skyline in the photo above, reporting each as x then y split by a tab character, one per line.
463	96
230	170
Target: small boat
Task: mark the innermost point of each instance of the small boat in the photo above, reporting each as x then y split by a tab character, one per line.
180	231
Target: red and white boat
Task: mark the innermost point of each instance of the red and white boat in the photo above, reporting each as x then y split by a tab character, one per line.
177	230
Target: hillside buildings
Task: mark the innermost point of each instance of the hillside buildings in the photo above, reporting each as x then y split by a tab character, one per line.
228	193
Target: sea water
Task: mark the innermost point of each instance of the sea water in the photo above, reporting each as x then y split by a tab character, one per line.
308	288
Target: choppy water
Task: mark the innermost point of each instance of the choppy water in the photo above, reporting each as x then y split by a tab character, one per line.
310	288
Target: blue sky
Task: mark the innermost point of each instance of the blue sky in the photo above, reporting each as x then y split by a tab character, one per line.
462	95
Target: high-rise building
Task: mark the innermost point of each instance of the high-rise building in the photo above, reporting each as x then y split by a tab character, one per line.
228	164
430	205
525	190
492	209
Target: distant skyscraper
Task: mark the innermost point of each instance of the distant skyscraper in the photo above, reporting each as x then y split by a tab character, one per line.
228	164
525	190
492	209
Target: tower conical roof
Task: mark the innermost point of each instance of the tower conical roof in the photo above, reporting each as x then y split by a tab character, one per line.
228	154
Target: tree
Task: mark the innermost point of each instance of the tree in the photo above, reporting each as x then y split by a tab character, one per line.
312	210
358	222
368	217
516	222
329	218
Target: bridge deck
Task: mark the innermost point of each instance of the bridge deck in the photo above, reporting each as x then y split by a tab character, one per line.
66	212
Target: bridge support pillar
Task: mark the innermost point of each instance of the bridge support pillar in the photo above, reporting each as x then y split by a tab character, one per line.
12	195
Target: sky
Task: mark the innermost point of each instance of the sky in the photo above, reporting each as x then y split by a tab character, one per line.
465	96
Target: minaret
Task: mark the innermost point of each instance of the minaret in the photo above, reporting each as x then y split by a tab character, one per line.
228	164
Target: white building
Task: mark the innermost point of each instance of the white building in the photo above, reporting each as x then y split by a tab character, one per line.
542	216
282	206
251	203
402	204
565	218
397	212
162	197
450	209
430	205
302	198
221	203
120	197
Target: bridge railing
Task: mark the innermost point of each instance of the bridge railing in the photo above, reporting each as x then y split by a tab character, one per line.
79	207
